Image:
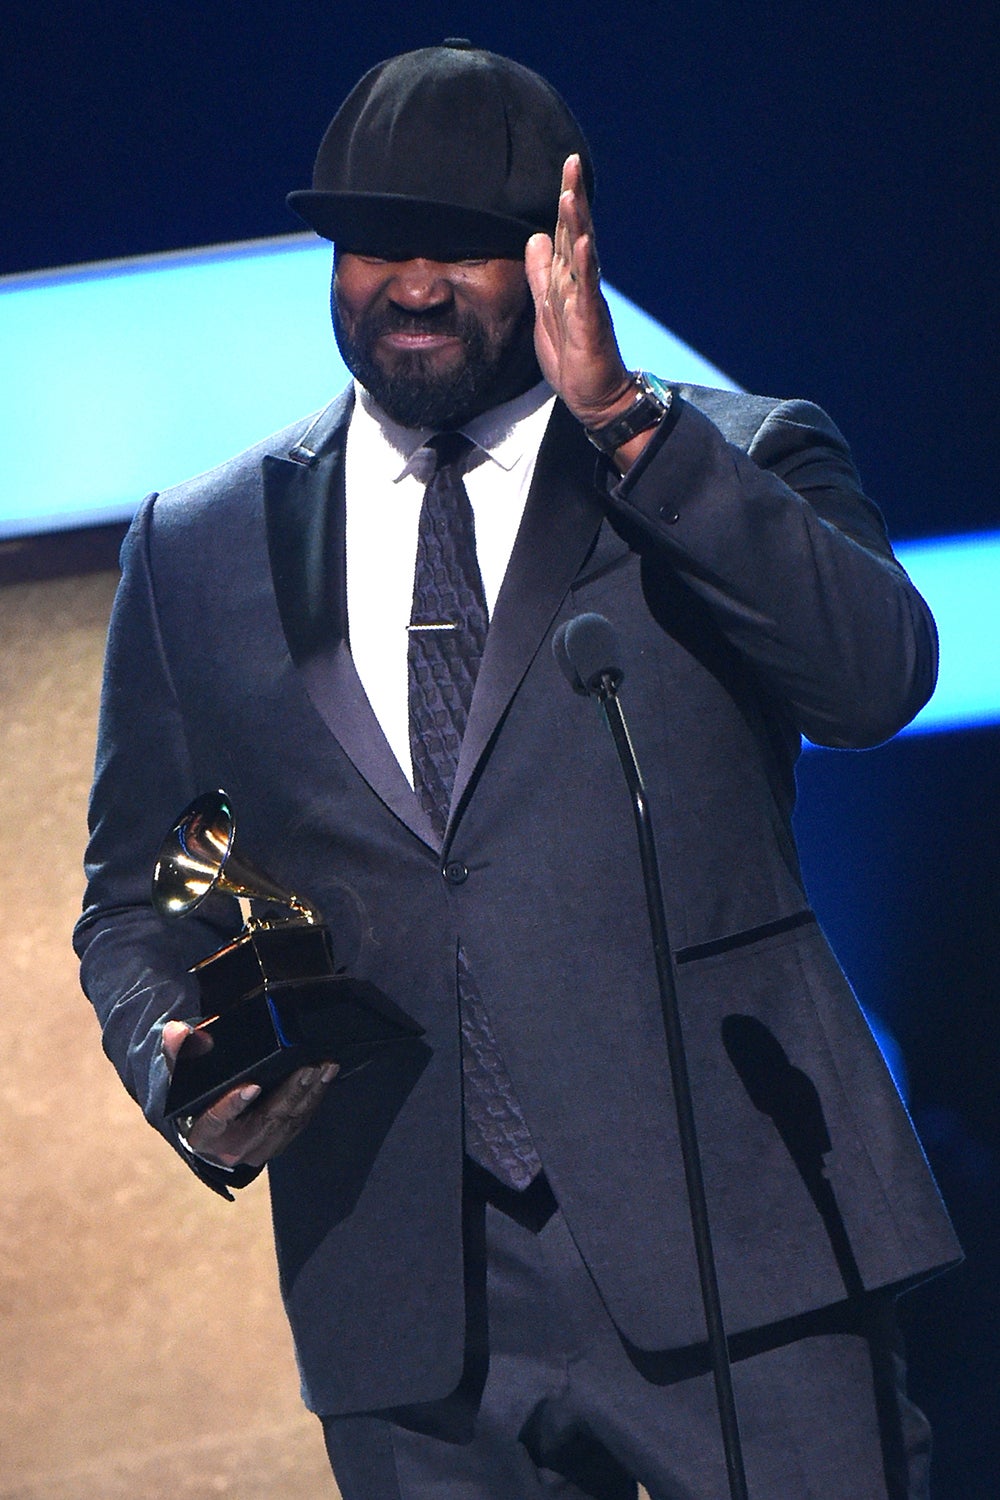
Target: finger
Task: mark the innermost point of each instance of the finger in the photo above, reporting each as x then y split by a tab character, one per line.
567	226
561	239
538	254
172	1039
283	1113
585	269
573	202
214	1122
579	249
572	184
289	1107
286	1113
579	268
173	1035
210	1130
236	1130
218	1133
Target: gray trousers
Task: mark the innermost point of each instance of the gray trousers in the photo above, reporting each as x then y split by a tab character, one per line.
553	1403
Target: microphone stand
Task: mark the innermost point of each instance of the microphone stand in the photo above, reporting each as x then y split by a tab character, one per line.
606	690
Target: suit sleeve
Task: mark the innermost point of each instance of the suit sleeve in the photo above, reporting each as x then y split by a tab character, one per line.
779	541
133	963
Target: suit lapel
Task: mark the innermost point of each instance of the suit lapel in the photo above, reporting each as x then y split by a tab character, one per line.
304	509
561	520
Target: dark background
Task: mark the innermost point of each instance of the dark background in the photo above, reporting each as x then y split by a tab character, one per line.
808	195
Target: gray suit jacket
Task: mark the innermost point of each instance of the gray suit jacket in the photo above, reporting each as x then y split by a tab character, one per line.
757	599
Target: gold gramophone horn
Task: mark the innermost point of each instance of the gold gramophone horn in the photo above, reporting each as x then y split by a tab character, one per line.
197	857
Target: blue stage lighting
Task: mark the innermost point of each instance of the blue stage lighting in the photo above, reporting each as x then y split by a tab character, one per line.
131	375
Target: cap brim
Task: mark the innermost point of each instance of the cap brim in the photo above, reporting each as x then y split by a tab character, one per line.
399	228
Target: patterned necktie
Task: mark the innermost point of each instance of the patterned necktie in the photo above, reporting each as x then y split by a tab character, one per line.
446	639
447	627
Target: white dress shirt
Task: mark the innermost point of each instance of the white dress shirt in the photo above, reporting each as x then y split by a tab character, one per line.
387	468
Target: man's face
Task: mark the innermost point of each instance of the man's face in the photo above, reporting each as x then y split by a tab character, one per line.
435	342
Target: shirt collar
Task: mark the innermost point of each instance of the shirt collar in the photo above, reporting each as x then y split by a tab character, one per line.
504	434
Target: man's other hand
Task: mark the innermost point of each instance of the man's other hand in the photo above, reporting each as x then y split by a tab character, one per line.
240	1128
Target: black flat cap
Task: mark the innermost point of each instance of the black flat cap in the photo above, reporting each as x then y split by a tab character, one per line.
448	151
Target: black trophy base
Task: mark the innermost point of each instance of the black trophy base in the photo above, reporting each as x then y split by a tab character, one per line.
283	1023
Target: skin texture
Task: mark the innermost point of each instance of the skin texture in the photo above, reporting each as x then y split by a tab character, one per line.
435	342
466	336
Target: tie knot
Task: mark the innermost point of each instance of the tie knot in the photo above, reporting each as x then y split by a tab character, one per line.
450	449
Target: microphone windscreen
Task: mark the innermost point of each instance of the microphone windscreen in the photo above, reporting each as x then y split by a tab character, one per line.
586	649
565	665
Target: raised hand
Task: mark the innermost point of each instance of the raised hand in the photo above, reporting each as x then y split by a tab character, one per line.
574	336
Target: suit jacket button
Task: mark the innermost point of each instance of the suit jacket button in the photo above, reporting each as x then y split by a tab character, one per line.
455	872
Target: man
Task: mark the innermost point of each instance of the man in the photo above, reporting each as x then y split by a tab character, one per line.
484	1240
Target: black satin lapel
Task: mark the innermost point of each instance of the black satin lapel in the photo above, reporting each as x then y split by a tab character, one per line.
301	508
304	509
561	520
304	514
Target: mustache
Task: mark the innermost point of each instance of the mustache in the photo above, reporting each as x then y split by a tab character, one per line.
446	320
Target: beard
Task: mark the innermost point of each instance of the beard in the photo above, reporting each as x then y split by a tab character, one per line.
413	391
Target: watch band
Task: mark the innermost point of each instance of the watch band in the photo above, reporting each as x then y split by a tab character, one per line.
652	402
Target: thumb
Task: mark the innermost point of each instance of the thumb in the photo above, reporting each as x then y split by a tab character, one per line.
174	1035
538	254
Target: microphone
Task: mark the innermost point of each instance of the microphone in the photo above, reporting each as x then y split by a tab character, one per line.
586	649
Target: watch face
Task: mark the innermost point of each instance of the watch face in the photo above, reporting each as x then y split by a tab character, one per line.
655	386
